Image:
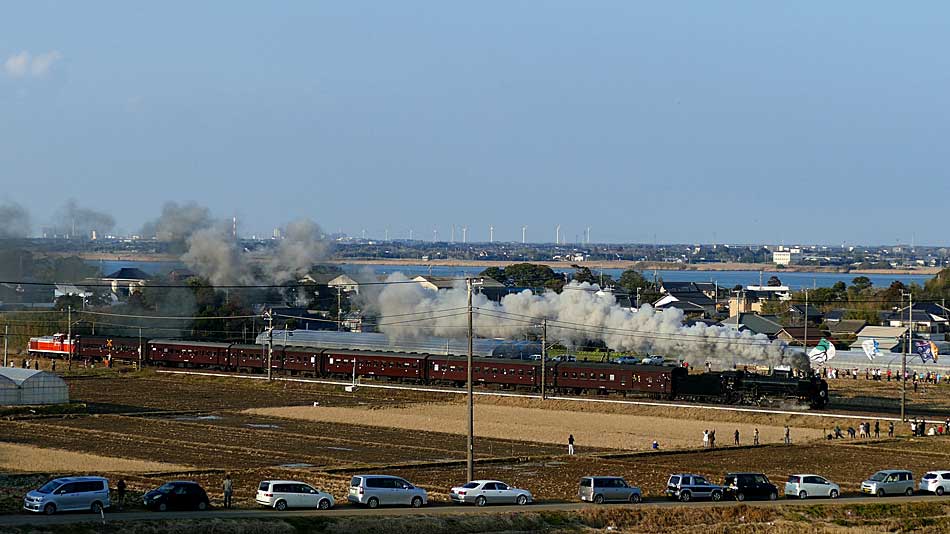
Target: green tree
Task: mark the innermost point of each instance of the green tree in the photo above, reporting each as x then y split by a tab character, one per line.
583	274
531	275
861	283
774	281
631	280
497	274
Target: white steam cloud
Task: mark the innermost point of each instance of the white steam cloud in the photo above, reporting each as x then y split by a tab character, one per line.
579	314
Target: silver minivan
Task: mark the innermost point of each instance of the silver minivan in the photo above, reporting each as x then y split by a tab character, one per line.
889	482
376	490
69	493
607	489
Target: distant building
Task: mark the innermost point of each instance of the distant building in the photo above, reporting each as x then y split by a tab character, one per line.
930	320
691	302
786	257
751	299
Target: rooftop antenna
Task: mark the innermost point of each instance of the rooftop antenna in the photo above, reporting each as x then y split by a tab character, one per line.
524	230
491	234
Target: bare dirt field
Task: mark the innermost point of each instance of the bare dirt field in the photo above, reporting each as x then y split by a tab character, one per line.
200	428
29	459
603	430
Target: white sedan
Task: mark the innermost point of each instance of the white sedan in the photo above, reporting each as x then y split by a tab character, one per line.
482	492
804	486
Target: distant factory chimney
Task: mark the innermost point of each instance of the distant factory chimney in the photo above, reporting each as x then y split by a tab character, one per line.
557	235
491	234
464	234
234	227
524	231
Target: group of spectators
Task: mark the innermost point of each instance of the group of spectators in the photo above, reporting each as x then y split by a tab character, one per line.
930	377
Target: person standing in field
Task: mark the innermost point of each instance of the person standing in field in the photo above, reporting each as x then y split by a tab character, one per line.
228	489
755	437
120	492
570	444
890	429
712	438
705	439
737	437
788	437
877	429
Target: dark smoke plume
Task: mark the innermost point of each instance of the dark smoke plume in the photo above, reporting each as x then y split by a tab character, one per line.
76	221
14	220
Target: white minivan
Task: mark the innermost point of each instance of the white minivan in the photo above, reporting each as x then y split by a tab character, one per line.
284	494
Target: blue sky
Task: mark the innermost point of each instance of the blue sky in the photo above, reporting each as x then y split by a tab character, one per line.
689	121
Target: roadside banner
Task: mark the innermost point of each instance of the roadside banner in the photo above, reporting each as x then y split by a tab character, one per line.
872	348
822	352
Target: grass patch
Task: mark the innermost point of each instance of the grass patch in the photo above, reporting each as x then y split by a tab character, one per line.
26	458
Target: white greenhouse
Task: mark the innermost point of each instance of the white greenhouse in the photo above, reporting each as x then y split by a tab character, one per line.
27	386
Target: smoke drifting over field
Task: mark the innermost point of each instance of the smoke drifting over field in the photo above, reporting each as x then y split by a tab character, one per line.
210	248
576	315
14	220
76	221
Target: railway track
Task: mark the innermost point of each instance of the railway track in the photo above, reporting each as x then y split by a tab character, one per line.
847	414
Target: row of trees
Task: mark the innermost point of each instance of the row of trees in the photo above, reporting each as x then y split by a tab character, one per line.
534	276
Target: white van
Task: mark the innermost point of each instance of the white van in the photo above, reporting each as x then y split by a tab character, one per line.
284	494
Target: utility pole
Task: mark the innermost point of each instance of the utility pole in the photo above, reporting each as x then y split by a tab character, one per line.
470	457
6	335
270	341
910	334
806	322
544	355
140	348
339	308
69	337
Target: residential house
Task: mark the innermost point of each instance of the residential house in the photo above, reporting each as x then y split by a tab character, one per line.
889	338
798	311
751	300
691	302
800	336
846	327
833	316
351	283
755	323
930	320
126	280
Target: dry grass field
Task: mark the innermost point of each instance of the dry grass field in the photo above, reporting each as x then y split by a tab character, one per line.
601	430
29	459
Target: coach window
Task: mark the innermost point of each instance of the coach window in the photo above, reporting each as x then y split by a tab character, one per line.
573	375
603	376
583	376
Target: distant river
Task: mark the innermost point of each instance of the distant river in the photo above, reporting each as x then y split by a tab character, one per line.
795	280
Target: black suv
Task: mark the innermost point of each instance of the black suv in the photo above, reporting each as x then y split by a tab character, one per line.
742	486
177	495
686	487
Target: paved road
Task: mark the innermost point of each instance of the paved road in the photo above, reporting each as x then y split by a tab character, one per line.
435	509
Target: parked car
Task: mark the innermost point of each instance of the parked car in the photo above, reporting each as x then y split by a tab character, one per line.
69	494
375	490
482	492
177	495
284	494
652	360
608	489
935	482
889	482
627	360
804	486
742	486
686	487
